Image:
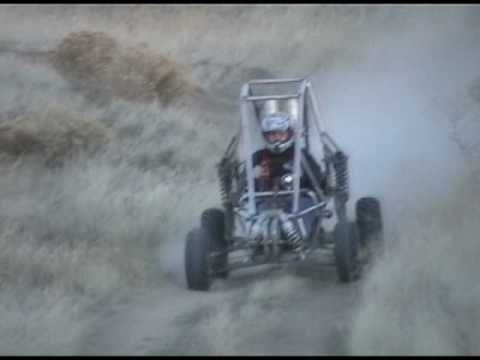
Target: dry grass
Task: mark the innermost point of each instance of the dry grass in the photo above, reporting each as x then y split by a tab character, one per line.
96	62
54	135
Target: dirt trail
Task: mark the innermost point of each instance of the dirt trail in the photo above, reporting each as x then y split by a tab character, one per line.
269	311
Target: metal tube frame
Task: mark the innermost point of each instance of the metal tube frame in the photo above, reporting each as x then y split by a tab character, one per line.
305	96
271	97
247	146
274	81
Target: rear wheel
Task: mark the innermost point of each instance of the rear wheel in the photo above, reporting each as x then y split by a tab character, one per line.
368	217
213	221
370	225
346	251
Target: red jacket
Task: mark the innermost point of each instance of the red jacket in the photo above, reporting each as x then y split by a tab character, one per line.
274	166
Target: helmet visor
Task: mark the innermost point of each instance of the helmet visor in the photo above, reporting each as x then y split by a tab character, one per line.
277	135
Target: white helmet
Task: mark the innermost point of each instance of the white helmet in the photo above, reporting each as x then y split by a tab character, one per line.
277	132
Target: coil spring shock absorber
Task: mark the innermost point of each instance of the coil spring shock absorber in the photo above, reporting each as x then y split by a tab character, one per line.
291	233
340	164
225	181
290	230
224	172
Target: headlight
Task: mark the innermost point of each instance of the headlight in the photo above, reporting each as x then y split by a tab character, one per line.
287	181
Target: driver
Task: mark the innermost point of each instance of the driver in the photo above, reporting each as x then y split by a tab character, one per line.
276	159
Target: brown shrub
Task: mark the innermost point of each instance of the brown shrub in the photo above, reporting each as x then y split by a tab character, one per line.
97	64
54	135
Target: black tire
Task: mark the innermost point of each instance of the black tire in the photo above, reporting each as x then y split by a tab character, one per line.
197	267
346	251
369	218
213	221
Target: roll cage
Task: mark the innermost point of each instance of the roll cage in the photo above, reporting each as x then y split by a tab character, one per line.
301	104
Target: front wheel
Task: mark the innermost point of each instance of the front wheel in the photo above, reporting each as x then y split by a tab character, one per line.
197	264
346	251
213	221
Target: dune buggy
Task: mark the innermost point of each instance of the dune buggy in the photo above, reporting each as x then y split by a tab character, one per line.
260	227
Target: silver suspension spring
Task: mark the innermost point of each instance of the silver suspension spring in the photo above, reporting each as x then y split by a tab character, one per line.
340	164
225	181
291	231
267	223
